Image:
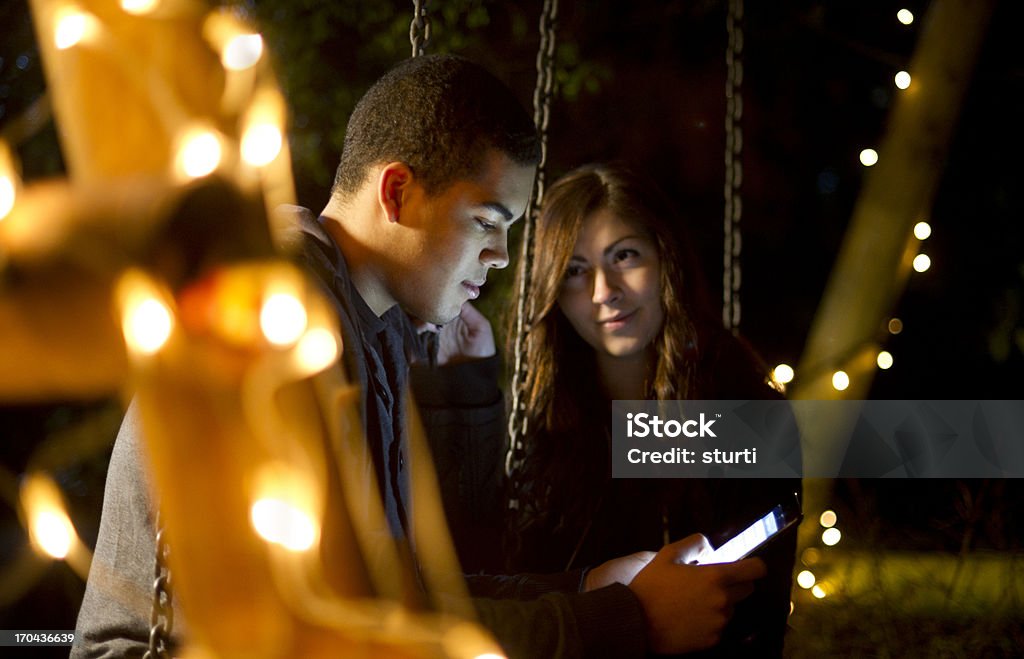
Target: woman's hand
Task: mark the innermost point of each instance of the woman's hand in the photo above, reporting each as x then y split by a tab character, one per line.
687	606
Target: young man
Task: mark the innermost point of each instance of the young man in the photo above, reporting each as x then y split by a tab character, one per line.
438	162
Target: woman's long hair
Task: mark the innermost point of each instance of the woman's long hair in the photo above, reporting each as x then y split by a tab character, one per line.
565	448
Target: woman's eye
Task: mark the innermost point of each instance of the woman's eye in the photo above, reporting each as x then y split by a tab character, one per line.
484	224
573	271
625	254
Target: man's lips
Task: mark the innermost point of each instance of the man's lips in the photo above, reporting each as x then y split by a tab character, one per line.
472	288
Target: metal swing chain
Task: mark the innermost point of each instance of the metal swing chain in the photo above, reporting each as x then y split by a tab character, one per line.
419	28
161	618
542	95
733	244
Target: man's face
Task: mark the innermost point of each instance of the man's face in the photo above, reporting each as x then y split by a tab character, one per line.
452	239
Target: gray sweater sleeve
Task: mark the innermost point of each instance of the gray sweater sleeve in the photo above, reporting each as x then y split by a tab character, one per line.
114	618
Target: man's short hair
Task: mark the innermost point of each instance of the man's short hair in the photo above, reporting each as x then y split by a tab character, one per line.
438	114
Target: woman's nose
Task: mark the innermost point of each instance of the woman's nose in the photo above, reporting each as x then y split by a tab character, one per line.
606	289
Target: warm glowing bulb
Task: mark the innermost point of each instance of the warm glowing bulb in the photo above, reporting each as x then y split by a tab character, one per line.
7	194
905	16
72	27
282	319
260	144
895	326
199	154
805	579
139	7
922	230
885	360
868	157
242	51
828	519
783	373
922	262
902	79
317	350
840	380
831	536
281	523
147	325
818	592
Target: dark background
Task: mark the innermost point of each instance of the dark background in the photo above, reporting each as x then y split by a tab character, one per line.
644	81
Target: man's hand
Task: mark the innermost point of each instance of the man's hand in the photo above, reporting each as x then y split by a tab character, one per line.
467	337
688	606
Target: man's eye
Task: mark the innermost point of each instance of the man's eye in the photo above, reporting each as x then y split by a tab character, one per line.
484	224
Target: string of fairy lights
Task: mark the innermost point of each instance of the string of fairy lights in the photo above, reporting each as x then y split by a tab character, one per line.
783	374
814	575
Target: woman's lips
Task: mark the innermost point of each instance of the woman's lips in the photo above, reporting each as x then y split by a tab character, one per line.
616	322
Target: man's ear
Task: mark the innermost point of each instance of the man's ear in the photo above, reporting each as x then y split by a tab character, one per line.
392	188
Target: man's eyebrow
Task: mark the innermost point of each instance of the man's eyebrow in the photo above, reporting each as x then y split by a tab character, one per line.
498	208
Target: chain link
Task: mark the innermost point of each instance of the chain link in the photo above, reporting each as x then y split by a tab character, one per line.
733	243
161	618
419	28
542	95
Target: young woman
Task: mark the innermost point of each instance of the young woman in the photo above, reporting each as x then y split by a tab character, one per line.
620	314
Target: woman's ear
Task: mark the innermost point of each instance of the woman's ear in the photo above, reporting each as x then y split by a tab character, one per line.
392	183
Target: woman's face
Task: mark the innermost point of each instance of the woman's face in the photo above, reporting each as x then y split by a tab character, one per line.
611	290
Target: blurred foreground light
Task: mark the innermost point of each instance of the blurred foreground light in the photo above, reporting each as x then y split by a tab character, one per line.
840	380
831	536
139	7
260	144
805	579
895	325
242	51
199	153
52	532
8	193
317	350
810	556
783	373
283	524
50	529
282	319
885	360
73	25
922	230
818	592
490	655
905	16
902	80
922	262
147	325
828	519
868	157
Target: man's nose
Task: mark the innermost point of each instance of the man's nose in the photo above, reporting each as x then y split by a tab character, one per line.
495	255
